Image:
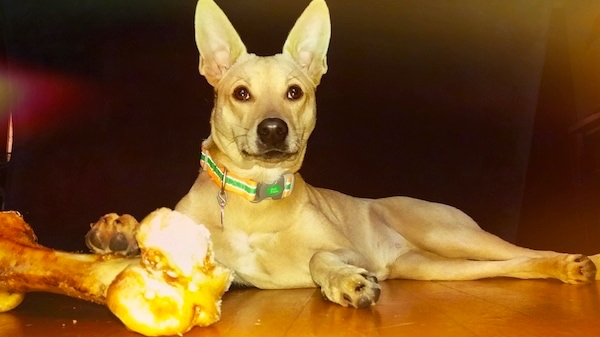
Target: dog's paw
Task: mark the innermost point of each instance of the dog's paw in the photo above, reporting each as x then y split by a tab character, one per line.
113	234
355	287
578	269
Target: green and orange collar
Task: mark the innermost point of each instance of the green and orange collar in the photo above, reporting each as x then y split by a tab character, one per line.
249	189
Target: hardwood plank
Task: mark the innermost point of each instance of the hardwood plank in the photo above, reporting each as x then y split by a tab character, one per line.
253	312
323	318
405	311
43	314
543	306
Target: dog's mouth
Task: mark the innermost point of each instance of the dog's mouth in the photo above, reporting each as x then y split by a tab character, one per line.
271	156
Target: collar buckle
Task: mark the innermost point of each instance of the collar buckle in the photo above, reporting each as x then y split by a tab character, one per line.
280	189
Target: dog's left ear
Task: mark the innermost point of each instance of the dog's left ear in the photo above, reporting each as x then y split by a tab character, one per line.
308	40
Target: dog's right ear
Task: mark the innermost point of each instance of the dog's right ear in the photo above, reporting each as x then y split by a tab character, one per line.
218	42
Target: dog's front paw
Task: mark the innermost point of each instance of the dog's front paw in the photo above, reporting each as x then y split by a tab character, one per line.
113	234
353	286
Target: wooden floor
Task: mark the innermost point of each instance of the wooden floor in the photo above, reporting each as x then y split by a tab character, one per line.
495	307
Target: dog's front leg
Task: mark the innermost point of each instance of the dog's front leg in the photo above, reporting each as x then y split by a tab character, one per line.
340	279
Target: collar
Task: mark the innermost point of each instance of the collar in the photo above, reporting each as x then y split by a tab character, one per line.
249	189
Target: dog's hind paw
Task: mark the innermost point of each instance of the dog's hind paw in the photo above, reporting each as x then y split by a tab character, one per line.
113	234
357	288
578	269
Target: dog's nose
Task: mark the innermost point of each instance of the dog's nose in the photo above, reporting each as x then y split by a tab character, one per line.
272	131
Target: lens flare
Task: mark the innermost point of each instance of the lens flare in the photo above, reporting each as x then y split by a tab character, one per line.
39	101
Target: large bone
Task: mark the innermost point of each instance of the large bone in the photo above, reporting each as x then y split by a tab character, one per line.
174	286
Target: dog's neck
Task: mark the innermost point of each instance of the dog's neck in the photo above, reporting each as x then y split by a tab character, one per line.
251	190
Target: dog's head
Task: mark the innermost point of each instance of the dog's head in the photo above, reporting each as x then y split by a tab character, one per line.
264	106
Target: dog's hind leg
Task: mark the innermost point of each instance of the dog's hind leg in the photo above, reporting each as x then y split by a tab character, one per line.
451	246
342	280
419	265
448	232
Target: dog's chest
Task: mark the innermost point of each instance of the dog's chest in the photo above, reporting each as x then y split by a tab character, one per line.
247	246
265	260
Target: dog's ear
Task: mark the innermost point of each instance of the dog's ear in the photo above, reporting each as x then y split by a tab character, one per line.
218	42
308	40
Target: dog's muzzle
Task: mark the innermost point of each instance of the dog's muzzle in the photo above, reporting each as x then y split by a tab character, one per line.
272	141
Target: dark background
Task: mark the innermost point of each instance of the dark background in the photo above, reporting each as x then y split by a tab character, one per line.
467	103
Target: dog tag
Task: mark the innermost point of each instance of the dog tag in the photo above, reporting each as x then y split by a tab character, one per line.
222	198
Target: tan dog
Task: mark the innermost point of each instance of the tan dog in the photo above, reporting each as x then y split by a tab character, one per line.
301	236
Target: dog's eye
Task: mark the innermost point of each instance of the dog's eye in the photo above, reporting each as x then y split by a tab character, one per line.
294	92
241	93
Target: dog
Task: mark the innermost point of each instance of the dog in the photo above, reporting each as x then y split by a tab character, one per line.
276	231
